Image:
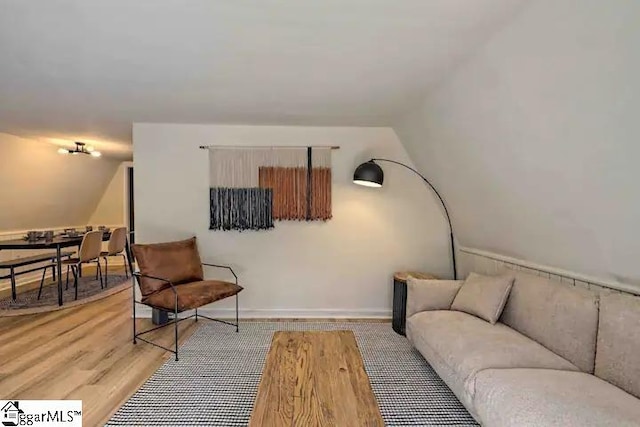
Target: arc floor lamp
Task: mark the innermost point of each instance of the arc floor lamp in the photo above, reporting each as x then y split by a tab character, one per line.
370	174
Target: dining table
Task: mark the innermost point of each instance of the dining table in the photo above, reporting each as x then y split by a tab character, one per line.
58	243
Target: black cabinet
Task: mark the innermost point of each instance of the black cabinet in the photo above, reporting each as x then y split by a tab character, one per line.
399	306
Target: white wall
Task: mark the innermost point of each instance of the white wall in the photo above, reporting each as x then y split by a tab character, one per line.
111	208
40	188
535	139
339	268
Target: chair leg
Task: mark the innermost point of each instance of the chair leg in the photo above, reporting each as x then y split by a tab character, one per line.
175	319
126	269
75	278
134	311
196	314
237	323
54	273
134	321
100	274
44	272
66	287
106	272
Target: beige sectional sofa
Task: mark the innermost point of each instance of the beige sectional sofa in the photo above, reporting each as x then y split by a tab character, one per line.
560	355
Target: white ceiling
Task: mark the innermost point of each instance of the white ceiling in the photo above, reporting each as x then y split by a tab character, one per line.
88	69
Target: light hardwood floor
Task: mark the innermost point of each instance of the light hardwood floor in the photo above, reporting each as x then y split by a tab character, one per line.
81	353
84	353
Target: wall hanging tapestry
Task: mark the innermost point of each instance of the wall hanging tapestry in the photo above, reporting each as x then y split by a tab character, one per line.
250	188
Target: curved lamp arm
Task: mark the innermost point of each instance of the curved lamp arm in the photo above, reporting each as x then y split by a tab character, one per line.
444	206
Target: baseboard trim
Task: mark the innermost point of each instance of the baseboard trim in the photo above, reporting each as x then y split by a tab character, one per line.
229	313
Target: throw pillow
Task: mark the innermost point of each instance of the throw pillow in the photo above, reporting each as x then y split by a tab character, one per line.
483	296
430	294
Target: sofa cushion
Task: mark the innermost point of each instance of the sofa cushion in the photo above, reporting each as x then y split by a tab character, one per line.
618	354
483	296
559	316
457	345
178	262
544	397
430	294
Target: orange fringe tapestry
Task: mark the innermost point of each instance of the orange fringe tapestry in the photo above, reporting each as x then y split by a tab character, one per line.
291	196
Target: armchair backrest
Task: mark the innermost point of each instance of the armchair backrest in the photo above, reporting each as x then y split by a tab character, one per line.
178	262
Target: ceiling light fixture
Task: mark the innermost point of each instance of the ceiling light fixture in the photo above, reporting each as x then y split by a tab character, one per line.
81	148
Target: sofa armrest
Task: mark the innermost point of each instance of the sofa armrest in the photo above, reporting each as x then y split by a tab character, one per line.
428	295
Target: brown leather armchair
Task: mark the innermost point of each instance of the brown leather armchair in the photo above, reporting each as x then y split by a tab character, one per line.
171	279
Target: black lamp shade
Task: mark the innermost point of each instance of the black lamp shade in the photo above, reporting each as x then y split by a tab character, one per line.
369	174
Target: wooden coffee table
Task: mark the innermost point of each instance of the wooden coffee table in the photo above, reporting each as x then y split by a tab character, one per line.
315	378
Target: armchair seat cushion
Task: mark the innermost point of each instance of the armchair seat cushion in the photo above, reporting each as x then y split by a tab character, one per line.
192	295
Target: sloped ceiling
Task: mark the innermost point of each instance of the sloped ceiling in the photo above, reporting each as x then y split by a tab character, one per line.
534	140
86	70
40	188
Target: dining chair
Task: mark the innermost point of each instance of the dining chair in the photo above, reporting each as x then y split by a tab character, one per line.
116	247
89	252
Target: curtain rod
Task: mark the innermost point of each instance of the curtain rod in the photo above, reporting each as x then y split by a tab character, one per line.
333	147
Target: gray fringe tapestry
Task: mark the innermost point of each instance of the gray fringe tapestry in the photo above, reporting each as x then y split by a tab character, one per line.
252	187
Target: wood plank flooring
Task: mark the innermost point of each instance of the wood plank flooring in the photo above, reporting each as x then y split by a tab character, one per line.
81	353
86	353
315	378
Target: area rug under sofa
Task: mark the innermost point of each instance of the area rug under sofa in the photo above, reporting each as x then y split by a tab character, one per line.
216	379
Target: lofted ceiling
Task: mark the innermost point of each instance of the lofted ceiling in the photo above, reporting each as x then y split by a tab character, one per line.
86	70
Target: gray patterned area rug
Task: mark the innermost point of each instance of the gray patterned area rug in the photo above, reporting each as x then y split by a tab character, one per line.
216	379
88	287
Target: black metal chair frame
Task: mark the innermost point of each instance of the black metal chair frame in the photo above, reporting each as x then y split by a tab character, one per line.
106	265
12	264
44	271
76	271
176	320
